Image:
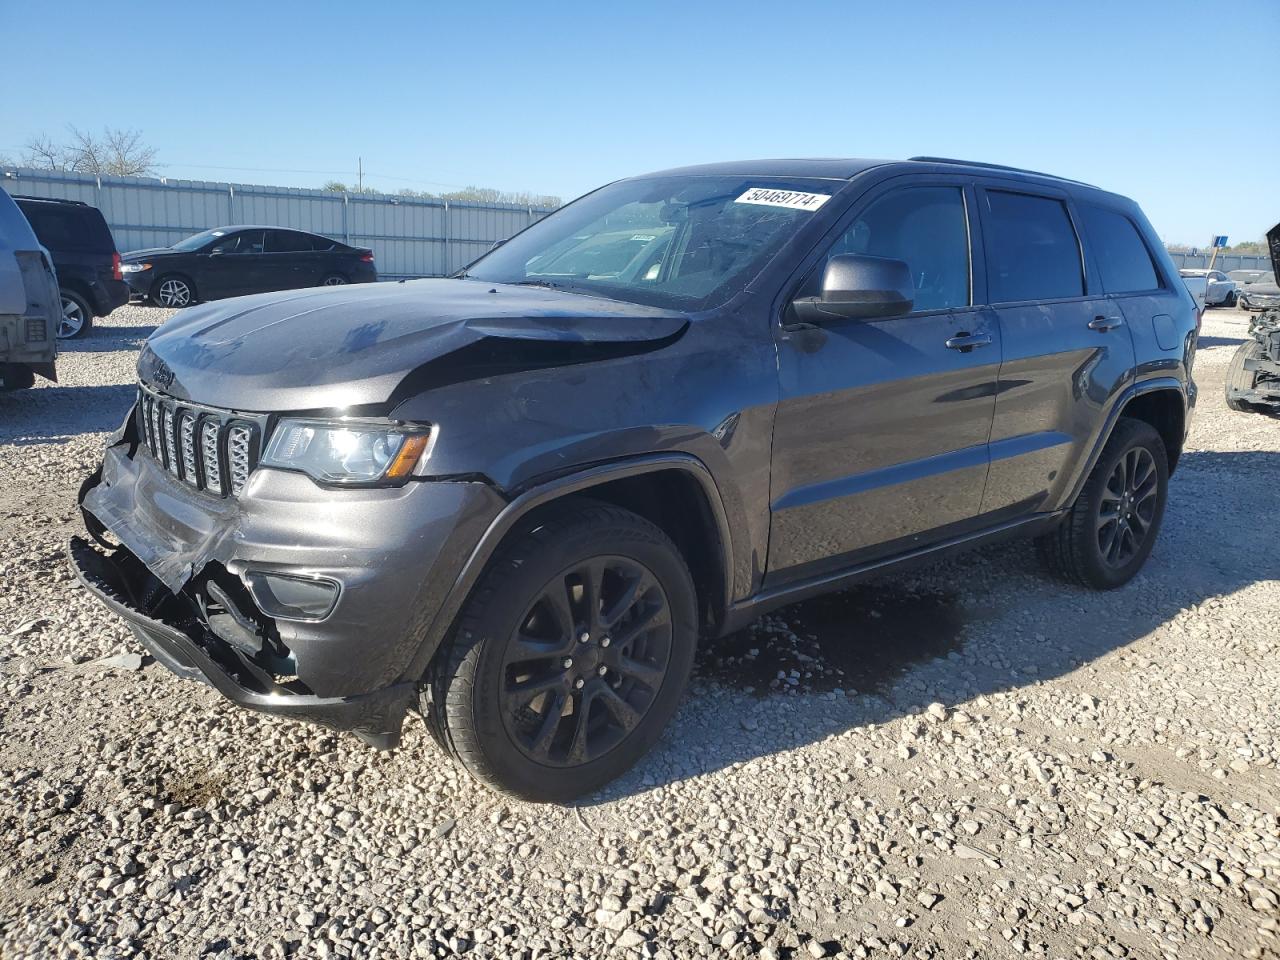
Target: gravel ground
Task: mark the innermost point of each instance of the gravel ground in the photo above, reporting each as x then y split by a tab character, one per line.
973	761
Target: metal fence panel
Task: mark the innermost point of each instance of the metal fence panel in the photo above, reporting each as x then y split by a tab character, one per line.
1225	261
409	236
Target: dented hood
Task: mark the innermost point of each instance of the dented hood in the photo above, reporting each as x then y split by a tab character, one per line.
344	346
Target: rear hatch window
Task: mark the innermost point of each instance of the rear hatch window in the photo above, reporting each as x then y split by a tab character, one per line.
70	228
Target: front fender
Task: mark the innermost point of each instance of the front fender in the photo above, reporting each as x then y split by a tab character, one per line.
441	621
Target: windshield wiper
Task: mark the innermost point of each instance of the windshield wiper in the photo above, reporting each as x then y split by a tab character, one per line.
536	283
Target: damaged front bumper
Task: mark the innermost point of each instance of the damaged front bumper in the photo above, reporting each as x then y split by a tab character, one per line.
180	566
196	653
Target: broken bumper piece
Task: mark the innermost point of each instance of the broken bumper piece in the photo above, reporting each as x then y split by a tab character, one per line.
188	648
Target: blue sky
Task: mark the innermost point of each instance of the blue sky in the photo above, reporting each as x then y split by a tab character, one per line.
1139	97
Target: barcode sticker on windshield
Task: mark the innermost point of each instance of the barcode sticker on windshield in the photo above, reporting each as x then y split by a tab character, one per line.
783	198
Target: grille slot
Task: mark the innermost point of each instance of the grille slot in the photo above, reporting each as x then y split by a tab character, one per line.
208	449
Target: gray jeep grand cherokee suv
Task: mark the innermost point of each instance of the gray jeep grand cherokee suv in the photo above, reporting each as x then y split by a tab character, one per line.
514	499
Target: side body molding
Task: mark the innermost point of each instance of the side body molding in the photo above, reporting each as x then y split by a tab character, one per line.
578	482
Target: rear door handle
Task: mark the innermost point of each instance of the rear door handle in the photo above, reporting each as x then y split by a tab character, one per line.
1104	324
964	342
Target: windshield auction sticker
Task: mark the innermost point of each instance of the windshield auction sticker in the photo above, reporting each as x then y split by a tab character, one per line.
783	198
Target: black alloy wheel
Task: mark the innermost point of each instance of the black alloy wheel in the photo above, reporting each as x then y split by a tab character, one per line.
1108	532
587	661
569	657
1127	507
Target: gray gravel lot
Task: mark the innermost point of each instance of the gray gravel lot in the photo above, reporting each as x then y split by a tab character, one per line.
972	761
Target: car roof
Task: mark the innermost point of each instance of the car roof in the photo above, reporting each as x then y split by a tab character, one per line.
260	226
54	200
830	168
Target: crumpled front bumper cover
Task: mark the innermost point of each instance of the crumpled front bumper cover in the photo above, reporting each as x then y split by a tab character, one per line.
194	653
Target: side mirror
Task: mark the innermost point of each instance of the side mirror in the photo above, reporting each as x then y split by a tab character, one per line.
856	287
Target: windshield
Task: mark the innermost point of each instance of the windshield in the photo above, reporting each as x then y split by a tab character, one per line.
197	241
684	242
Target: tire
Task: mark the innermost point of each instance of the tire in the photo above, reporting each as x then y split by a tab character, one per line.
483	709
173	291
1237	376
16	376
334	280
1085	548
1231	299
77	316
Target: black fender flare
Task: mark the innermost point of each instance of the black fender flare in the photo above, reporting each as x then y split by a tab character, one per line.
1153	385
580	481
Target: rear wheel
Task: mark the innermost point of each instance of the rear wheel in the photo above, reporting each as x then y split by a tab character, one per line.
1238	378
570	657
1109	531
1231	299
334	280
174	291
16	376
77	316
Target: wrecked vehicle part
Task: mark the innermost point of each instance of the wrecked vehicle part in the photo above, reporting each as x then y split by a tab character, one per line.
195	653
1253	375
390	550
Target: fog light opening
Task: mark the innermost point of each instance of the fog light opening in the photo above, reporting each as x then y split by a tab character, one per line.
290	597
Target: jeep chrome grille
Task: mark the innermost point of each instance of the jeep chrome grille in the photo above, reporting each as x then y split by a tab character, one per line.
209	449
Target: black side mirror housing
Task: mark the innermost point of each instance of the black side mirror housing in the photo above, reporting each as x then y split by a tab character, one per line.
856	287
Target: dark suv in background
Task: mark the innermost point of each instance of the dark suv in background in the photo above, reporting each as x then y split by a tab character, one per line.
234	261
84	256
515	499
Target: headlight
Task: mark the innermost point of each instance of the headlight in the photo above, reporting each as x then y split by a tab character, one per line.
342	451
134	267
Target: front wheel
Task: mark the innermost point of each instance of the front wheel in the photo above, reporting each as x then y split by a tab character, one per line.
173	291
1109	531
570	657
1231	299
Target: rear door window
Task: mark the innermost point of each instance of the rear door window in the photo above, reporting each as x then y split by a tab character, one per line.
288	241
1032	249
1123	258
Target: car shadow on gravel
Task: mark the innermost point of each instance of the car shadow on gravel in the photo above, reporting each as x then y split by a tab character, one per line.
1221	341
56	415
954	632
107	339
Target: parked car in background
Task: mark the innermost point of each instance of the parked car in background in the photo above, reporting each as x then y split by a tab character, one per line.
29	303
1220	290
1198	286
233	261
515	499
84	256
1242	278
1260	295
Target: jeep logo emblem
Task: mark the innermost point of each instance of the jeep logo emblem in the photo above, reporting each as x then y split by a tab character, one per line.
161	375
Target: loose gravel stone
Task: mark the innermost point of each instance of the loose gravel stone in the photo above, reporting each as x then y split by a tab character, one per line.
969	760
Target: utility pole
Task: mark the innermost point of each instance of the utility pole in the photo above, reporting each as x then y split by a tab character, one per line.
360	175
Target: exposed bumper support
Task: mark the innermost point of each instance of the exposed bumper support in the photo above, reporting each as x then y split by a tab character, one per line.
194	653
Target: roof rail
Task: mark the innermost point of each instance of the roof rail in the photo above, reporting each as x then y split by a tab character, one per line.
23	196
998	166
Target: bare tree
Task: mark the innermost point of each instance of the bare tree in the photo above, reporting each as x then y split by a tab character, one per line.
117	153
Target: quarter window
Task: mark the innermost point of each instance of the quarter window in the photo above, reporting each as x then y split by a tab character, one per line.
926	227
1123	259
288	241
1032	249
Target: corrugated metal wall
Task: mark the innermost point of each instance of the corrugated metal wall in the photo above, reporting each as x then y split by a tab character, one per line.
410	237
1225	261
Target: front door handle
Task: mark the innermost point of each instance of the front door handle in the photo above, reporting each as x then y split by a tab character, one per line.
1103	324
964	341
